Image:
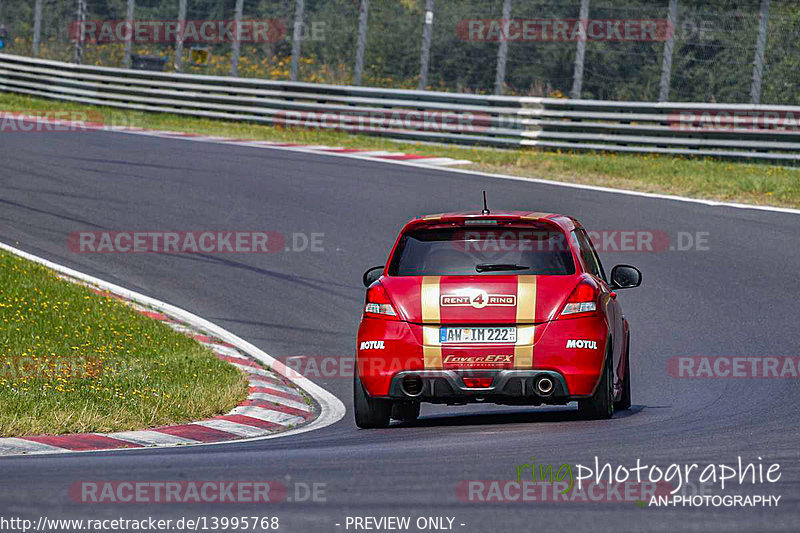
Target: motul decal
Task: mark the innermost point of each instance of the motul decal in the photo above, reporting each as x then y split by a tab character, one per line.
371	345
577	343
478	299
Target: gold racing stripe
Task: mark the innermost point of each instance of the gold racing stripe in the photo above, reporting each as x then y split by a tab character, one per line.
536	215
429	300
526	313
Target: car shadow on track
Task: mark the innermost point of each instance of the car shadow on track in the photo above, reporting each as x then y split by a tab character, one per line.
566	414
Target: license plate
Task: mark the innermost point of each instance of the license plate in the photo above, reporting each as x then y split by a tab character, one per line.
477	335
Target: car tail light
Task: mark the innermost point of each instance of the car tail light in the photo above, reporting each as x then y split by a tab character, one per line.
478	383
378	303
582	301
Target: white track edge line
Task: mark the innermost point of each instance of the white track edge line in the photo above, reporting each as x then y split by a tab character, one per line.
331	408
599	188
364	155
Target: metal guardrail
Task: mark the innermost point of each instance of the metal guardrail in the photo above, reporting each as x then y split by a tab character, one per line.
739	131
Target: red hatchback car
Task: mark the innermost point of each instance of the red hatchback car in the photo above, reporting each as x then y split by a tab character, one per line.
507	308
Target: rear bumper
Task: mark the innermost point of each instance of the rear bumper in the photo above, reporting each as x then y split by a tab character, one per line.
401	349
507	387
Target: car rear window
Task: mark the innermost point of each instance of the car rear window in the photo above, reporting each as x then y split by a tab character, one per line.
544	250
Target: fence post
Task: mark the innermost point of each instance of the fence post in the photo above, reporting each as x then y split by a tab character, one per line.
502	50
362	41
37	26
178	59
129	40
427	37
237	43
669	45
580	52
761	44
81	19
297	35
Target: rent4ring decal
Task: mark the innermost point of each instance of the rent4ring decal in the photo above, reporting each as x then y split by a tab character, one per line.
478	299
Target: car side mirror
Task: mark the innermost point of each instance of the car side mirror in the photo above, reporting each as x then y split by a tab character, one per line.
371	275
625	277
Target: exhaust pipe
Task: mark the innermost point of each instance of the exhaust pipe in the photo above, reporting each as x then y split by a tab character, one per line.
411	385
545	386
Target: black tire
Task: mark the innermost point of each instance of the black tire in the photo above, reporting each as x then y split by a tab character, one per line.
405	411
369	412
601	405
624	402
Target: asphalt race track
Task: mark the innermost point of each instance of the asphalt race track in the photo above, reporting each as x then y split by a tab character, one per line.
738	298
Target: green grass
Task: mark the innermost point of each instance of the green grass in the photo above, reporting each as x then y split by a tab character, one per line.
72	360
700	178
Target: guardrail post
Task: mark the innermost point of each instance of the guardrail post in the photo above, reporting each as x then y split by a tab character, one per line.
81	19
580	52
502	50
129	40
237	38
297	35
427	37
669	45
178	59
761	44
362	41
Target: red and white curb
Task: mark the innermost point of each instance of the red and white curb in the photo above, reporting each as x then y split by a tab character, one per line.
337	150
280	401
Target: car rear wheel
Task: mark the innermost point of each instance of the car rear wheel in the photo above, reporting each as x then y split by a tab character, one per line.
405	411
601	405
369	412
625	400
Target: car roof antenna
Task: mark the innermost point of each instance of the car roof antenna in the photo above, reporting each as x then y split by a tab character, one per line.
485	207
